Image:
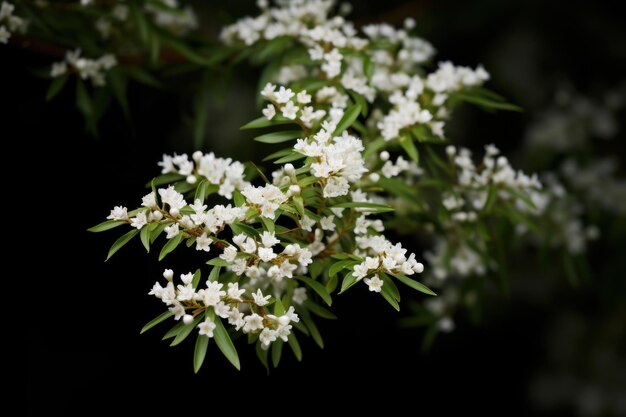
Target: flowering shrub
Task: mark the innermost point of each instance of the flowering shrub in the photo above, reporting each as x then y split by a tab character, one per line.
365	178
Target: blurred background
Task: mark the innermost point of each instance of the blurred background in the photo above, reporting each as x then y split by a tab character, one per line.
549	348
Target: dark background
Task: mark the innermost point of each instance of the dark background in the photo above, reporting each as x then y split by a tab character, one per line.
85	354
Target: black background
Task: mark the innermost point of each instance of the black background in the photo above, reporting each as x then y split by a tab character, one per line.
85	354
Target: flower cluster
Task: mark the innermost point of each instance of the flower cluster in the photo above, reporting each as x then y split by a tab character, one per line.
9	22
347	104
246	313
227	174
93	70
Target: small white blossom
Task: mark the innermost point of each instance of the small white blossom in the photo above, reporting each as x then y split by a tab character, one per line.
260	299
206	327
375	284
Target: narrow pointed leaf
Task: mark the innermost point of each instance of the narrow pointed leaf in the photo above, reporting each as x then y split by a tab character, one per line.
121	242
318	287
202	343
164	316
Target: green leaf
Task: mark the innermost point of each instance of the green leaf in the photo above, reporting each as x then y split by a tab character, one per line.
186	330
118	85
360	100
387	294
348	118
318	310
224	342
56	86
201	191
268	224
348	281
107	225
485	102
425	135
162	317
144	235
277	351
83	100
262	355
371	207
279	137
238	198
262	122
157	231
306	181
196	278
331	284
341	265
318	287
217	262
215	273
299	204
278	154
142	76
413	284
310	324
522	196
409	147
374	146
173	332
391	286
202	343
238	228
166	179
170	246
295	346
293	156
399	188
124	239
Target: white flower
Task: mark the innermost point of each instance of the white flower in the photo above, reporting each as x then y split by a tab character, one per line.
299	295
186	278
168	274
269	91
212	294
290	110
249	246
269	239
139	221
269	112
118	213
266	254
206	327
283	95
177	309
172	231
203	242
267	336
234	293
253	322
375	284
305	257
185	292
230	253
328	223
235	317
259	299
360	271
372	263
303	97
222	309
